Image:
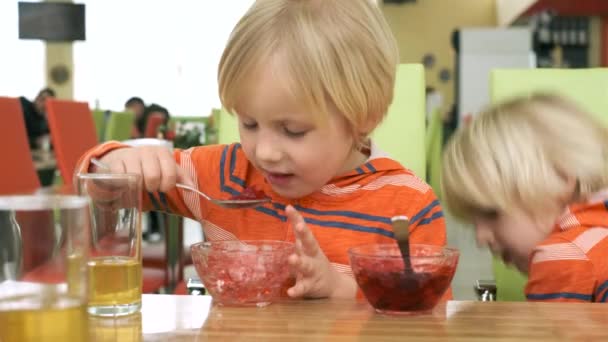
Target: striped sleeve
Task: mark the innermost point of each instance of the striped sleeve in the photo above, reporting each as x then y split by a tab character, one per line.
560	272
179	202
427	224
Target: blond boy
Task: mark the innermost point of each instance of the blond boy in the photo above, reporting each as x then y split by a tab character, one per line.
532	175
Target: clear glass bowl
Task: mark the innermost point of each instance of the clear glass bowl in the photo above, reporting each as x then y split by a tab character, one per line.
243	273
379	272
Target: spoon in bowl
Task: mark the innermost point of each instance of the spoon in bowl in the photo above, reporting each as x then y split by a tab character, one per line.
401	225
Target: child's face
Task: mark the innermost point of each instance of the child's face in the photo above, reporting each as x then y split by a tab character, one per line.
296	155
513	235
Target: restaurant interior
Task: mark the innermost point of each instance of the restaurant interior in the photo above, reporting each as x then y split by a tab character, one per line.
74	75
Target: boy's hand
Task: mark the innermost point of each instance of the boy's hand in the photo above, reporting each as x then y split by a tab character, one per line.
315	276
156	164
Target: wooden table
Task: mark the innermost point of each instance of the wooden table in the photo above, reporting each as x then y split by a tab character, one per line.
193	318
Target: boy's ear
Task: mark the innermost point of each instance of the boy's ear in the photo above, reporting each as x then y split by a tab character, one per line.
370	124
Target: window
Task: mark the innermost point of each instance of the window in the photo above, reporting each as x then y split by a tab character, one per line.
21	61
164	52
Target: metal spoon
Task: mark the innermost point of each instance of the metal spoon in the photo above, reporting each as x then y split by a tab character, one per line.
401	226
230	204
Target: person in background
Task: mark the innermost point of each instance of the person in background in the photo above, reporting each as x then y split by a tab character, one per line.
155	109
531	174
34	114
142	112
137	106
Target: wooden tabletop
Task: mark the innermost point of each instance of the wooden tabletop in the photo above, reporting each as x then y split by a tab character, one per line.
194	318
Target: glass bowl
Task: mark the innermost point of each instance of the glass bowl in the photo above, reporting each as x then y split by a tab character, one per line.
243	273
379	272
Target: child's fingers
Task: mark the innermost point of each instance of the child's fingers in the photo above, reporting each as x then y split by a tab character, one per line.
133	165
151	171
309	244
303	265
301	287
294	216
306	266
293	260
116	166
168	171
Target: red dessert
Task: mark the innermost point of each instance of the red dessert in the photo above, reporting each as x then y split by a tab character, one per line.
243	272
391	290
250	193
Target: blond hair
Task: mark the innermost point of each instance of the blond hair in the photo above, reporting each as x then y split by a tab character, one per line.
522	153
335	53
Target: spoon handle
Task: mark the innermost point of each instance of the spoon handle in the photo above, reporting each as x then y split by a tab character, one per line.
401	225
185	187
99	164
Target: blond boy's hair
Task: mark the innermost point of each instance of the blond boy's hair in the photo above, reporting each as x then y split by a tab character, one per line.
522	153
332	53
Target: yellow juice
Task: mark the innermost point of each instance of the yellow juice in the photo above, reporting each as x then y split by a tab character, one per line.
64	320
114	281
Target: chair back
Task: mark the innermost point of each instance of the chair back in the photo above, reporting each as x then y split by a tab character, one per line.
434	148
227	128
119	126
99	117
402	133
18	174
72	133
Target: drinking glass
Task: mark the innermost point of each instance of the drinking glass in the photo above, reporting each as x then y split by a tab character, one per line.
43	275
115	262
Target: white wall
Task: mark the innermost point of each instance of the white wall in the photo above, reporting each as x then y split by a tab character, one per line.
482	50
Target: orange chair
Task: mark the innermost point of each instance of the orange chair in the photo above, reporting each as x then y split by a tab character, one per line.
18	174
72	133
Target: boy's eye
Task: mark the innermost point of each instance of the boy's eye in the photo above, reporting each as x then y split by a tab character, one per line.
294	133
489	214
249	125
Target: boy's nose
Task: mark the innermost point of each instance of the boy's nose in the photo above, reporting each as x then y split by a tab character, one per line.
267	151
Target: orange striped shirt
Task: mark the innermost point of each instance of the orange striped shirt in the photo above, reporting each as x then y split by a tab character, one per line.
571	265
353	208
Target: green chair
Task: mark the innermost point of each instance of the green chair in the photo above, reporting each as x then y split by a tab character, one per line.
402	132
434	146
99	117
119	126
587	87
227	127
405	118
